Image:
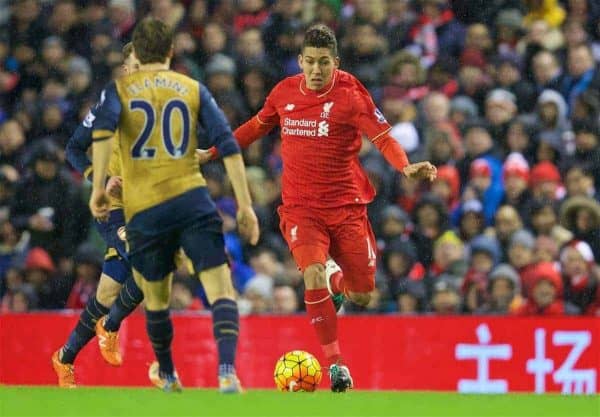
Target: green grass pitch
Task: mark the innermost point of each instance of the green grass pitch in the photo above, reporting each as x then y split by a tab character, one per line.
47	401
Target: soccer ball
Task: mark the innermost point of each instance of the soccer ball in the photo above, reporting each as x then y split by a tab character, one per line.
297	371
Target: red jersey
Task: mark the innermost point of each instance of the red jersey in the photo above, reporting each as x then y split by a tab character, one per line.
321	138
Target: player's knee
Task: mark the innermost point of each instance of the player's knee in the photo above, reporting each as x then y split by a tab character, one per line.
107	291
217	283
360	298
314	277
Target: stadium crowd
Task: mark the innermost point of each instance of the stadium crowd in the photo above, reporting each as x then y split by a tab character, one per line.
502	96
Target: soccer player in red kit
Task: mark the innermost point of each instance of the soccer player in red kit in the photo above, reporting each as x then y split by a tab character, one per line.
322	113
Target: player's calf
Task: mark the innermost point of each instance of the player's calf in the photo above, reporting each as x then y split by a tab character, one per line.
360	298
314	276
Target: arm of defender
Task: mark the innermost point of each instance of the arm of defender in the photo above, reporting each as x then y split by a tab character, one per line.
109	111
246	218
215	123
78	145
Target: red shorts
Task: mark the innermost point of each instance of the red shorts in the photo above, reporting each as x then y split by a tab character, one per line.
344	233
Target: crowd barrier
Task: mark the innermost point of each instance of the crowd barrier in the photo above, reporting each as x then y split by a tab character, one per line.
464	354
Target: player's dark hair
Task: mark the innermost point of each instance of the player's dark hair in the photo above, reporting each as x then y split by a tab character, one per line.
320	36
152	41
127	50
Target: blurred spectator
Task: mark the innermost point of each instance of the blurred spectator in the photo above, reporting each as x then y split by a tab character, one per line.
40	274
577	262
486	187
544	221
431	220
446	186
448	259
581	73
12	141
258	296
509	77
471	222
545	297
285	300
504	291
500	109
122	17
552	119
545	181
49	205
548	10
182	296
485	254
515	175
411	297
581	215
445	298
394	223
88	267
400	266
587	147
436	31
365	54
521	257
547	73
579	181
405	77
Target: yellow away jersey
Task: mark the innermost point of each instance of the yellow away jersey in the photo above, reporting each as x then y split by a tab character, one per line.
157	137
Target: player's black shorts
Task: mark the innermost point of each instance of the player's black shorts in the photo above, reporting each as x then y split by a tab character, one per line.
116	265
189	221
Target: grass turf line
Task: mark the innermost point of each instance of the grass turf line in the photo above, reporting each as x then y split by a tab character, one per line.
51	401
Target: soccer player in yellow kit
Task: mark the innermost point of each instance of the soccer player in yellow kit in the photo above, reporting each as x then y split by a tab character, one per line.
167	205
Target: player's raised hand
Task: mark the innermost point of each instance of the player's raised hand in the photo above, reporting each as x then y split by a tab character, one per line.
99	204
248	224
114	187
421	171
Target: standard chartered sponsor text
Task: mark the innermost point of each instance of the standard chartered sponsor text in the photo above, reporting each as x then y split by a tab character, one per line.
292	127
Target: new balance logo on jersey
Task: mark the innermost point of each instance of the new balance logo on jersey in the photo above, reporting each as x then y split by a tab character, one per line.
326	109
294	233
323	129
289	107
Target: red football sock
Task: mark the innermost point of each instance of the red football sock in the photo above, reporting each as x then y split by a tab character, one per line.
321	311
337	283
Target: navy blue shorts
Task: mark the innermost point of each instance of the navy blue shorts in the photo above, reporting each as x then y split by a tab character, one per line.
109	231
116	265
189	221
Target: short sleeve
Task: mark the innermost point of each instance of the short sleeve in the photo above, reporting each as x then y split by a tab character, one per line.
366	116
107	112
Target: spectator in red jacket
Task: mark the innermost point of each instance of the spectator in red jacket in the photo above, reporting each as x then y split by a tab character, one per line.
546	294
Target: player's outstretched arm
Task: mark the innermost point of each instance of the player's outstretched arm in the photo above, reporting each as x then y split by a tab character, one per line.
246	218
245	135
396	157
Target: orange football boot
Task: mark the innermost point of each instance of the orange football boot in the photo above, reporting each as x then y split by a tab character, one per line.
108	343
64	371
